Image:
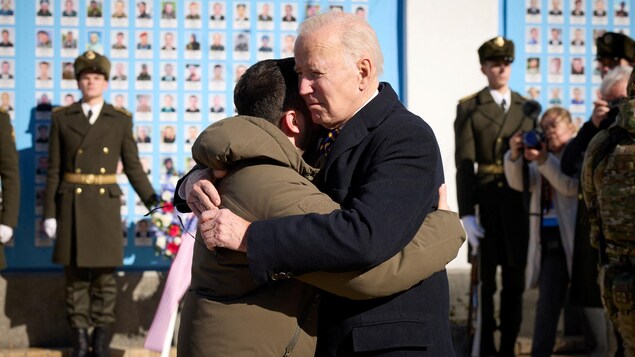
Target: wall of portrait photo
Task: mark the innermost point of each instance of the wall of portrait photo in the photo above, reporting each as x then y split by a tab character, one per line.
555	48
174	66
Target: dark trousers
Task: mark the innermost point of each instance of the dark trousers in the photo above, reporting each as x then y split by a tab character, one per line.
552	284
511	300
90	296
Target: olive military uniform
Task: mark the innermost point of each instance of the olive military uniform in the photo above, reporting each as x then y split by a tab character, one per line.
608	182
482	131
10	178
83	195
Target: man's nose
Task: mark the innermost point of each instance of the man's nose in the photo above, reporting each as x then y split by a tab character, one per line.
305	86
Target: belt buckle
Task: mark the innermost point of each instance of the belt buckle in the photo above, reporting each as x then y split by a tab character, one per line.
89	179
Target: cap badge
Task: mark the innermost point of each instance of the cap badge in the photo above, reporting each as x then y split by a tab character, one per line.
90	55
499	41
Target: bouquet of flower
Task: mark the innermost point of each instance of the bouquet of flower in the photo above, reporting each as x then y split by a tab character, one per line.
166	226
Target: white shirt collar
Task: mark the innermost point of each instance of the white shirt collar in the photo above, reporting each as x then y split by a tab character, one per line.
96	109
498	98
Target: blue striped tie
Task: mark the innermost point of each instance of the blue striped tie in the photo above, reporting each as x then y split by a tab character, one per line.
327	143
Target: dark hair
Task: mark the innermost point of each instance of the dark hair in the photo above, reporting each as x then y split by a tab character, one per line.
267	89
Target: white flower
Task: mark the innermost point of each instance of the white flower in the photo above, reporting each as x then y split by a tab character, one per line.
160	242
177	240
166	196
166	219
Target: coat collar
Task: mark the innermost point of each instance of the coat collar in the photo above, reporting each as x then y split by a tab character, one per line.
78	122
364	121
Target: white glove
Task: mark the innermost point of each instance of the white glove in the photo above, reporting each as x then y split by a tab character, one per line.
6	233
474	231
50	227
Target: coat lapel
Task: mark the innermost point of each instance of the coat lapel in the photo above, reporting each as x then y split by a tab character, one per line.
96	131
360	125
489	109
76	119
515	112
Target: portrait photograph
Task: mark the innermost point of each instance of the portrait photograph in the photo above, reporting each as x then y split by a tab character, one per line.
193	46
6	102
532	43
265	15
44	10
94	13
119	13
168	107
533	12
119	100
168	45
143	44
95	43
241	15
7	12
143	75
192	103
193	15
143	107
168	14
217	15
600	15
578	12
43	43
69	42
143	13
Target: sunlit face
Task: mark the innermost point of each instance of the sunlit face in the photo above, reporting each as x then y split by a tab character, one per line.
328	83
558	131
92	85
497	73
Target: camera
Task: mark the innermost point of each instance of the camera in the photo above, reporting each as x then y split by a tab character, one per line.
533	139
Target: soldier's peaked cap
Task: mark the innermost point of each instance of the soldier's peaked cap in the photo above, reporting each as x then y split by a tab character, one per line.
498	48
92	61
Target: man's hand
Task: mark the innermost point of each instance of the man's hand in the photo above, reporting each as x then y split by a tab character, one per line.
516	145
600	110
223	229
443	198
474	231
200	193
50	227
6	233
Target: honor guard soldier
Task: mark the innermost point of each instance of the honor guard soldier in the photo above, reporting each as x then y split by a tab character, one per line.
10	179
484	123
83	200
608	184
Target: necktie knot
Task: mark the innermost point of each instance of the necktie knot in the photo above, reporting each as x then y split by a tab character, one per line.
327	142
504	104
89	114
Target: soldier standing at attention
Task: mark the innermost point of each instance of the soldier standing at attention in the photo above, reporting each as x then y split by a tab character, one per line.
10	178
83	200
484	123
608	184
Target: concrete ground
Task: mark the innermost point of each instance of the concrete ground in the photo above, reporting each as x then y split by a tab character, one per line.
32	317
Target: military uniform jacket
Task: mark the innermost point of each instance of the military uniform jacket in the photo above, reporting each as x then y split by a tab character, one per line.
482	131
88	215
10	177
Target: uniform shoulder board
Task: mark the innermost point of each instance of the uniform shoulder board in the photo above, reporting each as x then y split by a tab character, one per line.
57	109
464	99
123	111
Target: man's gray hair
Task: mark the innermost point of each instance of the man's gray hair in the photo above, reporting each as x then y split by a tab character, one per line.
614	76
357	37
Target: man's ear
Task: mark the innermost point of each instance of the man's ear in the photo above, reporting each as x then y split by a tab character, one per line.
365	68
289	123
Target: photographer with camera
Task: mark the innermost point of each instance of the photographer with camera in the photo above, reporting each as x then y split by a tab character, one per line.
551	217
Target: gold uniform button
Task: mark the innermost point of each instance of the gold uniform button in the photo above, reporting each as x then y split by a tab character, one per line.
102	191
106	150
80	151
500	185
78	190
102	170
78	171
580	197
499	140
499	162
